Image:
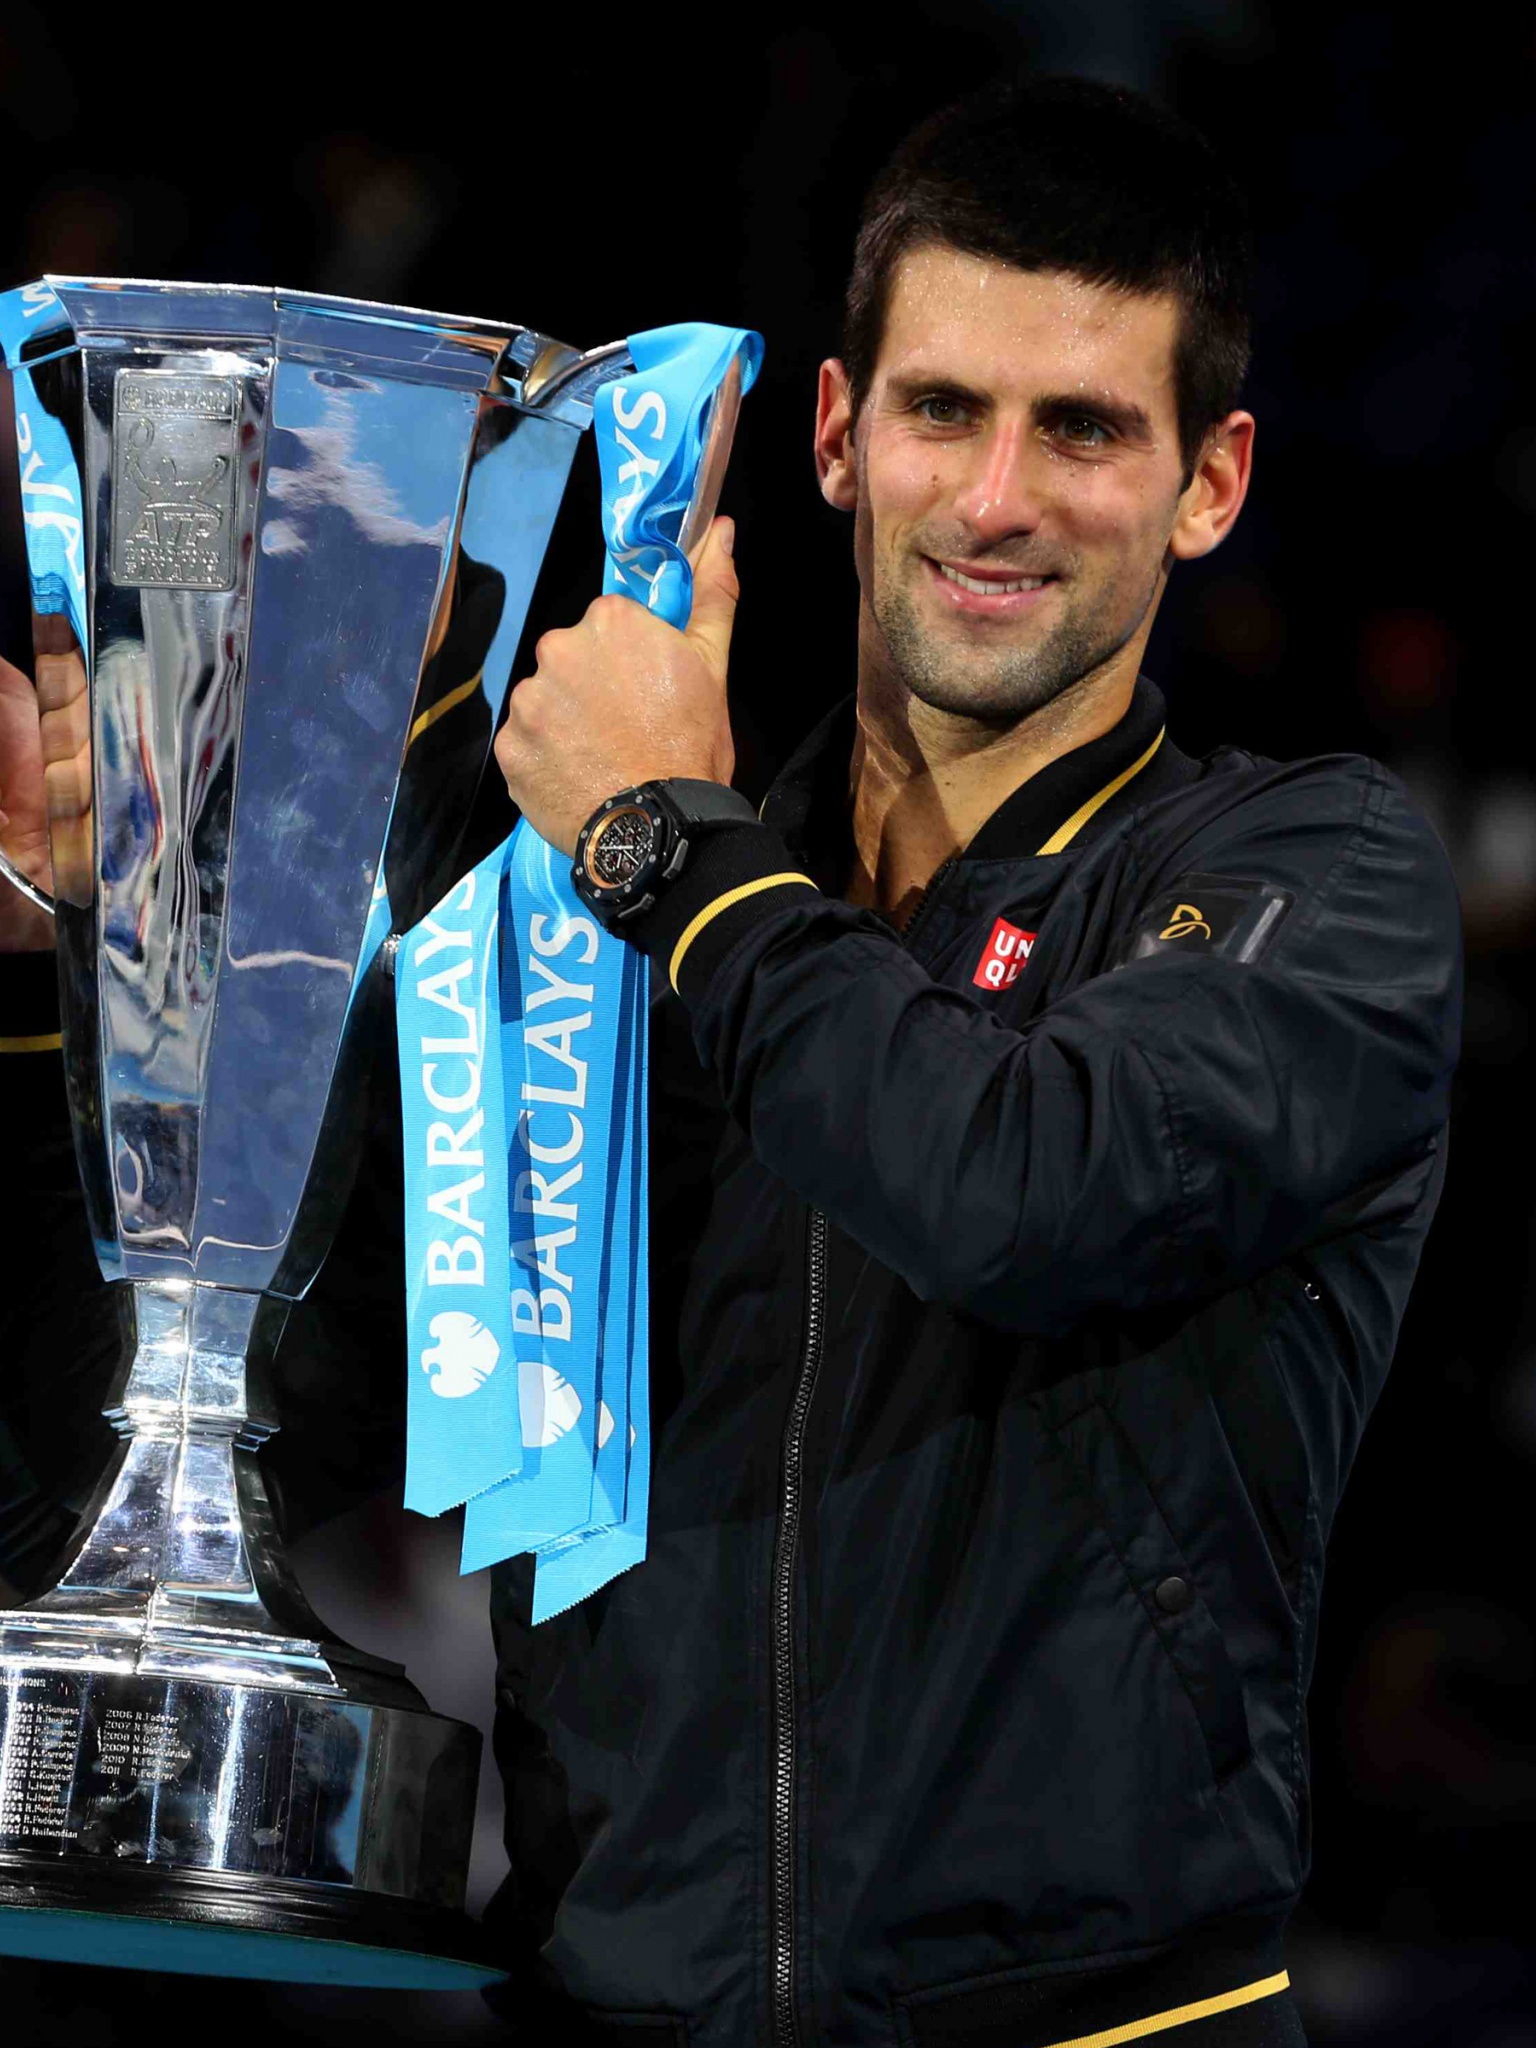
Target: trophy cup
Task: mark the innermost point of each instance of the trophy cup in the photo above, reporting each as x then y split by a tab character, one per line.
255	520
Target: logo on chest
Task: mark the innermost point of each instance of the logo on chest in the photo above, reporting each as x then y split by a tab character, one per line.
1004	957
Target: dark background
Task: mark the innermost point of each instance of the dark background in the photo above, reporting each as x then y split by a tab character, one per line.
592	175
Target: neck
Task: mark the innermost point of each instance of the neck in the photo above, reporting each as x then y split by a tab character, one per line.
924	781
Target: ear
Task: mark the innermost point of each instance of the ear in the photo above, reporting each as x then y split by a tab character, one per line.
1214	495
834	438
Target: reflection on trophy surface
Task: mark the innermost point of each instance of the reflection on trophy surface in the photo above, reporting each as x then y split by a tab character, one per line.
63	702
259	525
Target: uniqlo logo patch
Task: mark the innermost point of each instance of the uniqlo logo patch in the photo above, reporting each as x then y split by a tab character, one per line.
1005	955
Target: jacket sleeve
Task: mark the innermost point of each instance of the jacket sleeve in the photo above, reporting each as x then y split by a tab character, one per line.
1160	1131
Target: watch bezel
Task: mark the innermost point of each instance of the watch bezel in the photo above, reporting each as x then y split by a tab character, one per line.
592	842
615	900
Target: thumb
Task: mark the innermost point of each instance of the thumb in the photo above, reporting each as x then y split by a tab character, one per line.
715	591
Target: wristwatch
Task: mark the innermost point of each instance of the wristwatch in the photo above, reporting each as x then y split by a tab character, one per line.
636	842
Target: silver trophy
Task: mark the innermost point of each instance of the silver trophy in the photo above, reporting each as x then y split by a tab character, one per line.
253	518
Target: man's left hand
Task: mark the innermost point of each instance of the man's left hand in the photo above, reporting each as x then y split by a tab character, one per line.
623	698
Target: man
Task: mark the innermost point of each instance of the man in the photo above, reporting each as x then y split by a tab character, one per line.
1047	1126
1045	1130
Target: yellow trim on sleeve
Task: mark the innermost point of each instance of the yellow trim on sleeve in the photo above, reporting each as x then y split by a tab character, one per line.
46	1041
1180	2015
442	707
712	910
1065	834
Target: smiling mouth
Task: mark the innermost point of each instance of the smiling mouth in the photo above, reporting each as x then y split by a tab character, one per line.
991	586
988	583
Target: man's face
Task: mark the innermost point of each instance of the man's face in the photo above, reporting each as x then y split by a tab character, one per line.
1016	475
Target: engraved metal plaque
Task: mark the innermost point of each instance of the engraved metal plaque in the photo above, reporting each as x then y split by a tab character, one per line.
174	449
234	1778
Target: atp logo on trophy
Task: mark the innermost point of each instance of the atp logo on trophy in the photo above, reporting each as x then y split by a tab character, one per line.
173	444
176	512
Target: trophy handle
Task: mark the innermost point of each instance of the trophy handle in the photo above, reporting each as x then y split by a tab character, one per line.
718	436
564	373
30	890
559	371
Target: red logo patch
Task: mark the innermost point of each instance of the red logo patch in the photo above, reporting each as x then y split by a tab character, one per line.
1004	957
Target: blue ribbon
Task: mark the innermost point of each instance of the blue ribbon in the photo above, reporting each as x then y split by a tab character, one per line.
650	432
526	1215
51	507
453	1054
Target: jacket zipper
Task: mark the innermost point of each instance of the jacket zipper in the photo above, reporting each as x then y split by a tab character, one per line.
915	914
785	2021
786	2030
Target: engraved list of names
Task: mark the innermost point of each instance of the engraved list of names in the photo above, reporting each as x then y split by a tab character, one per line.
37	1767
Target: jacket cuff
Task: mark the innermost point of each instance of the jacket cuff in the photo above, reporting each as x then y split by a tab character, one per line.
740	876
29	1002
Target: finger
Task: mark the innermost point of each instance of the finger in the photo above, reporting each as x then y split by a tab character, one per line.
68	787
715	591
60	680
73	858
66	731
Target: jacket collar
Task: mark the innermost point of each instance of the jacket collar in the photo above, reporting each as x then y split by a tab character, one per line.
1068	802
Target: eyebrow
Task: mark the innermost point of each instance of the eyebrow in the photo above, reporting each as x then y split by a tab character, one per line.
1127	418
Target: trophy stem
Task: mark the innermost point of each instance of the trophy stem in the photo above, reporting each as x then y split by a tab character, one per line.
178	1572
194	1772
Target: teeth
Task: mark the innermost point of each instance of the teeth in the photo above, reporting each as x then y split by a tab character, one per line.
990	589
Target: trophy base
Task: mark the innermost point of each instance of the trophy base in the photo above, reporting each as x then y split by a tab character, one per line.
197	1923
240	1830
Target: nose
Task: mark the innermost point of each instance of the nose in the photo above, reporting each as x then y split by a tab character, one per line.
1002	493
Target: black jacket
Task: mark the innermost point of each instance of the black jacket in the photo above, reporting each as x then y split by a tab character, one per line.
1011	1344
1012	1340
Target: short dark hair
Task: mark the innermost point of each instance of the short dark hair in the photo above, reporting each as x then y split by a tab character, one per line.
1067	174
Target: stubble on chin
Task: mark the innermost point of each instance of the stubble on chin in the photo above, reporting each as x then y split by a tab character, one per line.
1001	684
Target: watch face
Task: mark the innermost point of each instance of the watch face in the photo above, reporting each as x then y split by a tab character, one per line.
620	846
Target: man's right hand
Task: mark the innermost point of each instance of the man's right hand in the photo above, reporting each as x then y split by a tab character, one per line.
23	814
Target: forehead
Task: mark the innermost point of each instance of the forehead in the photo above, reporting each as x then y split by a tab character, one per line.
1016	332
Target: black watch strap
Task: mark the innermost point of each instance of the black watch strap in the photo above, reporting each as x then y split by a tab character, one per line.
706	803
636	841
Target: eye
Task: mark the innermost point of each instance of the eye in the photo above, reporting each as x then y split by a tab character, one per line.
1082	430
940	410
